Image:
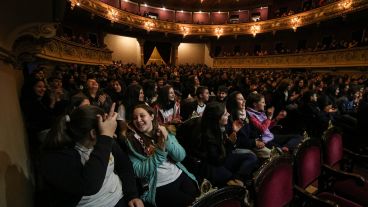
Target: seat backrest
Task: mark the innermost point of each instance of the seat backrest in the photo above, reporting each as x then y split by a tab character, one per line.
273	182
333	149
307	162
229	196
189	135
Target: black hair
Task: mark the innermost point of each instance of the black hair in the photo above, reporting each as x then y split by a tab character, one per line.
210	123
232	105
254	98
132	98
70	129
200	90
223	88
163	98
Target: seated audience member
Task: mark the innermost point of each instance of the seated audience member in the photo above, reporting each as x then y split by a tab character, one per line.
264	121
222	93
58	93
315	119
38	108
96	96
133	97
243	134
150	91
224	165
116	92
197	107
166	106
82	165
156	157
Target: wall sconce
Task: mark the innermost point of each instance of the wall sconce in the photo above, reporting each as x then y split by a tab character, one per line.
219	31
255	29
113	14
295	22
149	25
185	31
345	4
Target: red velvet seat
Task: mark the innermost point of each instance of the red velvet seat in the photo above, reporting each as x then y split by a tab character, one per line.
229	196
273	183
309	169
353	189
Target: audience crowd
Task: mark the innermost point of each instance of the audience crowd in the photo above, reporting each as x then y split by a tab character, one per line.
168	118
282	49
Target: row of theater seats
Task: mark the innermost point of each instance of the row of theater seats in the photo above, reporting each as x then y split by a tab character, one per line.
315	175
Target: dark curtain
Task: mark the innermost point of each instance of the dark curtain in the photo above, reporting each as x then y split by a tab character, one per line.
165	51
148	49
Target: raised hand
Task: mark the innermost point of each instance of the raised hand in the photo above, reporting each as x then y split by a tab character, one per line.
102	99
107	125
161	137
270	112
281	115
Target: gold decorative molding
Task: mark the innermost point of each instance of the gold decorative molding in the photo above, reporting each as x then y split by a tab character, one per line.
58	49
38	30
336	58
6	56
329	11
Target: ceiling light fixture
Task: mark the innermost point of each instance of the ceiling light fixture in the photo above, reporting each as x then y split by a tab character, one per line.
185	30
149	25
295	22
255	29
345	4
219	31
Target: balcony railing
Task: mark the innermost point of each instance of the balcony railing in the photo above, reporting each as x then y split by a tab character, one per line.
329	11
333	58
62	50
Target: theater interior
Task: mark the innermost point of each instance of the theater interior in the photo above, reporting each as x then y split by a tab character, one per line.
250	46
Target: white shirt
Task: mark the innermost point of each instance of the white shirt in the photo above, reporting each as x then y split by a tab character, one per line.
121	113
200	109
167	173
167	115
111	191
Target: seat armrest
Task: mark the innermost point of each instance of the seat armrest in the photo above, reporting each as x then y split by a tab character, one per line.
338	174
303	198
356	156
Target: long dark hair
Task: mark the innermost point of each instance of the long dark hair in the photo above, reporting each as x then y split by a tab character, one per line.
163	98
210	124
70	129
232	105
132	99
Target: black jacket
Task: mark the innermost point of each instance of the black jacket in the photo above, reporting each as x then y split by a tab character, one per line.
66	180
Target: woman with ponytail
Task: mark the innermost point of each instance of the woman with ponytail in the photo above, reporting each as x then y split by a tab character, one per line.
82	165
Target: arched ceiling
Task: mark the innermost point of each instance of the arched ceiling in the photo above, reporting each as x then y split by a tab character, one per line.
206	5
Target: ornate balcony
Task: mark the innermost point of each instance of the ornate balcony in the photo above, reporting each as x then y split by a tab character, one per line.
329	11
62	50
334	58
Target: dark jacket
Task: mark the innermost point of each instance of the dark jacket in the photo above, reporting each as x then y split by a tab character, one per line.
67	180
247	135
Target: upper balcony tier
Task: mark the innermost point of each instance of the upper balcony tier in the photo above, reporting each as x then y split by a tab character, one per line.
330	11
